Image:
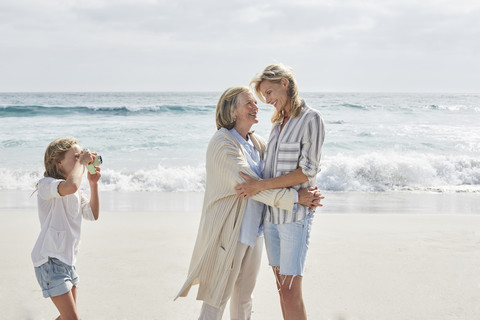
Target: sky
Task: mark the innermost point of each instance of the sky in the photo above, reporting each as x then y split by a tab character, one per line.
209	45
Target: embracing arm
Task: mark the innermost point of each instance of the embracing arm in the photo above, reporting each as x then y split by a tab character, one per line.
309	197
252	187
309	162
225	159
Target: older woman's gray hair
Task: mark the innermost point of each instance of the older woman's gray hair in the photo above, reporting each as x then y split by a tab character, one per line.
225	113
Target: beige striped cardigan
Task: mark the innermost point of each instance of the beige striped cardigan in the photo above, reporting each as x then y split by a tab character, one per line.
222	214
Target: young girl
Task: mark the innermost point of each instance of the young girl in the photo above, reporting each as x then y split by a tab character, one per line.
61	206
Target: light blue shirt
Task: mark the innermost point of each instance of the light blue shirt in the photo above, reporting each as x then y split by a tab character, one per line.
251	227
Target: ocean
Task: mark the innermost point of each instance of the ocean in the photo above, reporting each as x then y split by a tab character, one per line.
157	141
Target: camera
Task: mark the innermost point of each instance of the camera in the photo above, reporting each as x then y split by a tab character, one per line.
91	167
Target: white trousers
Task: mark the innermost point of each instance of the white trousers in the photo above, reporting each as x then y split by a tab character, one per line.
246	265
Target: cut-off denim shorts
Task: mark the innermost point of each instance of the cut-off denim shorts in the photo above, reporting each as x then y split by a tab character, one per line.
56	278
287	245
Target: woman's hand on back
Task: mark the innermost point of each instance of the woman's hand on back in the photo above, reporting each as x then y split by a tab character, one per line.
249	188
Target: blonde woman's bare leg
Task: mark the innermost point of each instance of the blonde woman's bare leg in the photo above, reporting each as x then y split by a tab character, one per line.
292	297
276	273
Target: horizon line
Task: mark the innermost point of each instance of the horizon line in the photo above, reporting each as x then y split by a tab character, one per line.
214	91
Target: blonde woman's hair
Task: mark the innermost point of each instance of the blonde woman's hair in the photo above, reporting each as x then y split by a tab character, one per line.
225	112
56	152
275	73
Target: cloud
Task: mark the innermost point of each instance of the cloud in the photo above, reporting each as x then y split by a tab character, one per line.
136	41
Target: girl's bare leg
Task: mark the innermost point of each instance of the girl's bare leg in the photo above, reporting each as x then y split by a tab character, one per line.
66	305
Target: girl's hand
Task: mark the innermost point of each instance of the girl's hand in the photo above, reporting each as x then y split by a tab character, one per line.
249	188
87	157
93	178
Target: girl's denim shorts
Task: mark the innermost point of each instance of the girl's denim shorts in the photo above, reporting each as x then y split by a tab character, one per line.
56	278
287	245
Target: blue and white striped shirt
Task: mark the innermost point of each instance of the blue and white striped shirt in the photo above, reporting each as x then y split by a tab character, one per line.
297	145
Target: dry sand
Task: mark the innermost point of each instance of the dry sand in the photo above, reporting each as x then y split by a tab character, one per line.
372	256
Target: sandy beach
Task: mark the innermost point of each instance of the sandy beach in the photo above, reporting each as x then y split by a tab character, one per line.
385	256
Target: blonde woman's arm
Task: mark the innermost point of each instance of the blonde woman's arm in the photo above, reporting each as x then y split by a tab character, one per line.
226	159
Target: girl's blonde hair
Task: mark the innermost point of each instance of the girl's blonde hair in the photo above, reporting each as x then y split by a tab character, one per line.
56	152
275	73
225	112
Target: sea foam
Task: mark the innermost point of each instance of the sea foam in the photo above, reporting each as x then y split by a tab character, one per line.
369	172
392	171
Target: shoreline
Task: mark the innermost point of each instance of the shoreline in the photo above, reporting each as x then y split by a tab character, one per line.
335	202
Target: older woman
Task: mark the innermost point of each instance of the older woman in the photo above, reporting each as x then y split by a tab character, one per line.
227	252
292	159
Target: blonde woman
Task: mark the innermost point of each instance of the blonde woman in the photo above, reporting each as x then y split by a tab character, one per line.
227	252
292	159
